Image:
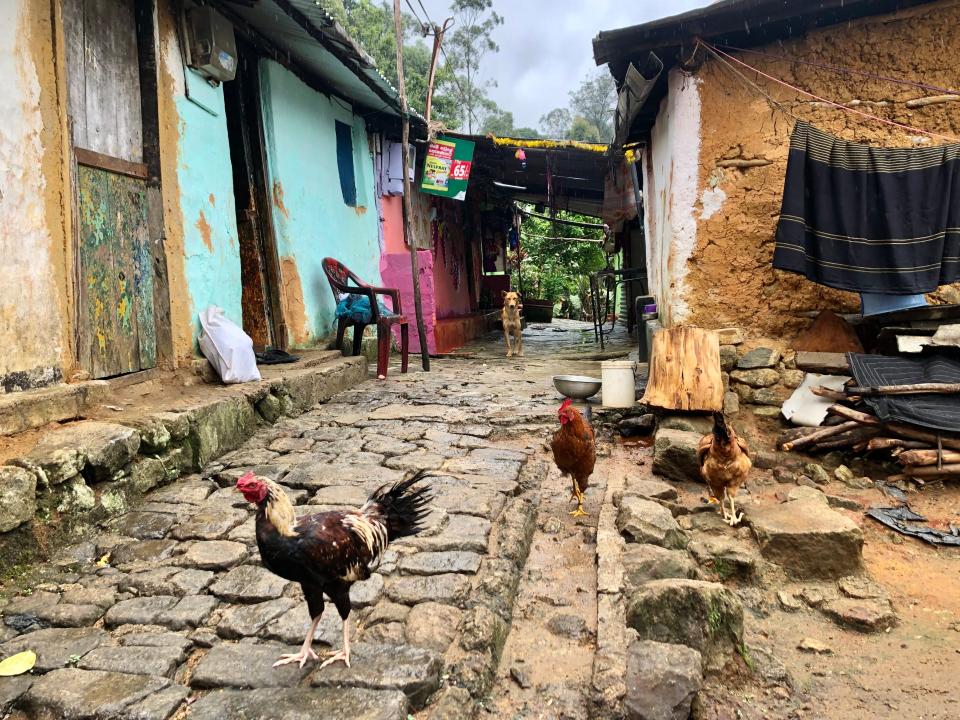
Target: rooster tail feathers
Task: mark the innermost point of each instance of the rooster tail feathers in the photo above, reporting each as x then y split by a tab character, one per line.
401	505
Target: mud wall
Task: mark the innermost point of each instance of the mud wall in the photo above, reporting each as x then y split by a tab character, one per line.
730	280
311	219
34	324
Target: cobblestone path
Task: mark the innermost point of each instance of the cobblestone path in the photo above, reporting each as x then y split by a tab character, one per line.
169	613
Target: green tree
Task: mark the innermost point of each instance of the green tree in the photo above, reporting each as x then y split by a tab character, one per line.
594	101
526	132
556	123
475	22
500	123
583	130
554	269
371	25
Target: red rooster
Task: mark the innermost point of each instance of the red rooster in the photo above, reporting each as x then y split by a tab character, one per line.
327	552
574	451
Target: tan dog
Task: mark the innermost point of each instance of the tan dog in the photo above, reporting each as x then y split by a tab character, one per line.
510	316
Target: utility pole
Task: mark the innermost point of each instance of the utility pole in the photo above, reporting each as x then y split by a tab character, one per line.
408	190
438	32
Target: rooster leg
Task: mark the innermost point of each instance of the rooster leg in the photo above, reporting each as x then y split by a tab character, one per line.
734	517
574	495
343	654
579	512
306	653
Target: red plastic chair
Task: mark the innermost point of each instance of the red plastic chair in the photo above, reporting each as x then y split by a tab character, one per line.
339	277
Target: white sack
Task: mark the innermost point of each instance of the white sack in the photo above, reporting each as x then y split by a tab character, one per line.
228	348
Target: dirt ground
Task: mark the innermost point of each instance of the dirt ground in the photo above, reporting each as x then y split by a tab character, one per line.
908	671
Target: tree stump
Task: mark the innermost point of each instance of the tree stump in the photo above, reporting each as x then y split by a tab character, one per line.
685	370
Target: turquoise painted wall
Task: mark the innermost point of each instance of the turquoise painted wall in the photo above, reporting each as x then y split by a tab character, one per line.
211	250
311	220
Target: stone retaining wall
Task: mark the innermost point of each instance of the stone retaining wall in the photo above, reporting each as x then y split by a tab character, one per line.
762	376
86	473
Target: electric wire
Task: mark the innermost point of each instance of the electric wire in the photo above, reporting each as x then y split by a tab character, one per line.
843	70
717	53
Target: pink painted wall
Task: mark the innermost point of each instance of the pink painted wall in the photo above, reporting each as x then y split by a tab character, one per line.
452	300
395	270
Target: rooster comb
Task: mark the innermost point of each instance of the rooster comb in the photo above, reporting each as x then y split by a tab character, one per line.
565	404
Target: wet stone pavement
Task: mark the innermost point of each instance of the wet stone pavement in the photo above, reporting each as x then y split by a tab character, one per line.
168	612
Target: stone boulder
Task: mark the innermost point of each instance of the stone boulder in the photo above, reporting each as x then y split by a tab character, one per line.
808	539
675	455
702	615
759	378
645	562
18	497
729	558
644	521
662	680
761	357
649	489
102	448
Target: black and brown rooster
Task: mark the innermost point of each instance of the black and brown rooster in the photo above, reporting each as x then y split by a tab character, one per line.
327	552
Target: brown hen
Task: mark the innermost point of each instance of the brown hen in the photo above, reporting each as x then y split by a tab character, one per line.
574	451
724	464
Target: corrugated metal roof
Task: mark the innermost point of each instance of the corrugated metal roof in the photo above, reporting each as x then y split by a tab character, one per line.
322	48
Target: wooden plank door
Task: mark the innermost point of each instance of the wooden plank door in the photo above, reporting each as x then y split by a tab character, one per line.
116	289
115	314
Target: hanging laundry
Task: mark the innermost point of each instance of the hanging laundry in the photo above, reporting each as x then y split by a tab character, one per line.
391	167
870	219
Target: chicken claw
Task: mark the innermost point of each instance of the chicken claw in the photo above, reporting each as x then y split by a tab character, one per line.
731	518
300	657
336	656
579	512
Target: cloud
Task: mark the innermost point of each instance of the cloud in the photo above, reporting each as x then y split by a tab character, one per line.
546	46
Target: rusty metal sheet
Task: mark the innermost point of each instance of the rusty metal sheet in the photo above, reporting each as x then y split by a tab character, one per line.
117	333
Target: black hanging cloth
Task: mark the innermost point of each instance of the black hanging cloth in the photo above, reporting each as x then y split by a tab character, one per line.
870	219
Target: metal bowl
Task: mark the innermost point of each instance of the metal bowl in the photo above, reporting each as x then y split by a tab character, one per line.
577	387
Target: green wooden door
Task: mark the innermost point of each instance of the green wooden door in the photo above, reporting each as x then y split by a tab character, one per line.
117	333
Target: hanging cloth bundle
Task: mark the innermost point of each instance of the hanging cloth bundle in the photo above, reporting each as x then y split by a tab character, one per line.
869	219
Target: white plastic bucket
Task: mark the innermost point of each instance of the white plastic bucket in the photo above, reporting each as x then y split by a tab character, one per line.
619	384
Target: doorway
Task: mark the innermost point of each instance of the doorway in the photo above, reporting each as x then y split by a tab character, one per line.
259	264
114	305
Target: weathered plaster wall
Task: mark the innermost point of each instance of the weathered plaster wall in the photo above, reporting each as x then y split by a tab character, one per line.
730	280
670	173
203	256
200	235
34	324
311	220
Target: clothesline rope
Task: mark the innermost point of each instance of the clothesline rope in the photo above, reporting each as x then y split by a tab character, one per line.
843	70
720	54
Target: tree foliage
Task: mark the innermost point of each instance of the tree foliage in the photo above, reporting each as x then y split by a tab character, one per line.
556	270
593	101
583	130
472	39
371	24
556	123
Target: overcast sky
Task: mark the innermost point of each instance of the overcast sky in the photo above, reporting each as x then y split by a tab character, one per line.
546	46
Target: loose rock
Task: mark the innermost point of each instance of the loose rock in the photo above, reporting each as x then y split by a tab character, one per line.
645	521
662	680
701	615
675	455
